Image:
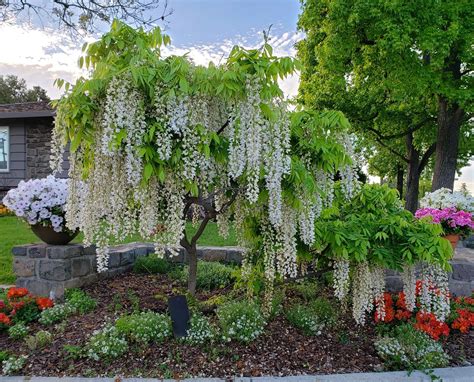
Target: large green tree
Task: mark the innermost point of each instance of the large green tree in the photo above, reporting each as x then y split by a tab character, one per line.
14	90
401	71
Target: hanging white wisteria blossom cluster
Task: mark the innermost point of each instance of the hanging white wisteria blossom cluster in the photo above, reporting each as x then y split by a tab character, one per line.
40	201
154	138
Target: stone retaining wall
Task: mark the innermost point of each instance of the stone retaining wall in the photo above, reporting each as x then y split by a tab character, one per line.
48	270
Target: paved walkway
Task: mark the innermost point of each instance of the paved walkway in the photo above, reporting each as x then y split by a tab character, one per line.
453	374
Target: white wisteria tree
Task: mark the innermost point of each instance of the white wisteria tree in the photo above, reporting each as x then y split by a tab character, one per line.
152	137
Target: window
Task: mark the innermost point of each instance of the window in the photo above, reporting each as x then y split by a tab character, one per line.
4	148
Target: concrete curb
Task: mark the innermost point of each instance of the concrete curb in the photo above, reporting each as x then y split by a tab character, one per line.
450	374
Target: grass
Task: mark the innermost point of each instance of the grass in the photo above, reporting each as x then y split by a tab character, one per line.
16	232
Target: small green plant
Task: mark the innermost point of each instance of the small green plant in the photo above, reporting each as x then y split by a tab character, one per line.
18	331
80	301
152	264
13	364
407	348
241	320
305	319
4	354
106	344
134	300
212	275
307	289
73	351
200	330
28	313
55	314
324	310
144	327
39	340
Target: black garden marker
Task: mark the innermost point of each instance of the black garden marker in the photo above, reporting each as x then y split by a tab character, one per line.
178	307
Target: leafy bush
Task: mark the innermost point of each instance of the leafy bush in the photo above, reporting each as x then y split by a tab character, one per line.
80	301
308	290
13	364
106	344
55	314
305	319
152	264
4	354
18	331
407	348
144	327
200	330
40	340
241	320
324	310
212	275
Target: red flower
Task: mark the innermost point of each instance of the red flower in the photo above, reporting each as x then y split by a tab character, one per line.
17	292
2	305
44	303
403	315
428	323
401	301
464	321
4	319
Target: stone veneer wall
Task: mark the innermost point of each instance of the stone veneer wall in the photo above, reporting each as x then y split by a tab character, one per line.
38	147
47	270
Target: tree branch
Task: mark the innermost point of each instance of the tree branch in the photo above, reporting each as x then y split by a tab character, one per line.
426	157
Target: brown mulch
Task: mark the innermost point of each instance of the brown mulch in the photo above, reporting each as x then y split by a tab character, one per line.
281	350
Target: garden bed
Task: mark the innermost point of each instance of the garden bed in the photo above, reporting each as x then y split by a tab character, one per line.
280	350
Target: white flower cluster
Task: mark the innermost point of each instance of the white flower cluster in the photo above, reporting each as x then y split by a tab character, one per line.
341	278
57	313
368	286
434	296
444	198
349	178
13	364
200	330
145	327
39	201
106	343
409	286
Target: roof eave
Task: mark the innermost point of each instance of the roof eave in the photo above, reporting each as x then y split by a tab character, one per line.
27	114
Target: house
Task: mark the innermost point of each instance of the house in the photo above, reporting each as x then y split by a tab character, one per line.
25	143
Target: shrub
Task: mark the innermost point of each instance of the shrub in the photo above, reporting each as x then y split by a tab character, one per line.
18	331
152	264
144	327
107	343
407	348
324	310
13	364
200	330
241	320
212	275
4	354
40	340
55	314
80	301
305	319
308	290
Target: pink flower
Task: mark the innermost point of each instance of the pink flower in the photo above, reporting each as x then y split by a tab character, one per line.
450	217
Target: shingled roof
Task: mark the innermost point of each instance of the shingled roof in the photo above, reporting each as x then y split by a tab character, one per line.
26	110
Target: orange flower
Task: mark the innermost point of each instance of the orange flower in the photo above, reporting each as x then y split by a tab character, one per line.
44	303
17	292
4	319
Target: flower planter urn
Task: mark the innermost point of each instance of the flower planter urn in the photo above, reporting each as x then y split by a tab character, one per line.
50	236
453	239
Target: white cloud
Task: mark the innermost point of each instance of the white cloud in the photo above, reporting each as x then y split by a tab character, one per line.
42	55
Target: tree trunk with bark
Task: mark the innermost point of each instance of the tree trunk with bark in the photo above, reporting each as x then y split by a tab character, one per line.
413	175
449	125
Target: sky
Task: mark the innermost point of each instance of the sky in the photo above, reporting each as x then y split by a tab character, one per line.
205	29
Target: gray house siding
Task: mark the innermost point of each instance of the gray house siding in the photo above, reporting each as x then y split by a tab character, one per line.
30	145
17	169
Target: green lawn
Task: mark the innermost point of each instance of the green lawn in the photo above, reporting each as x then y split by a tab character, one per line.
14	231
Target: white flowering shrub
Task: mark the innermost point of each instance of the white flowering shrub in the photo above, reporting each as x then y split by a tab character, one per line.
145	327
164	137
18	331
106	344
40	201
445	198
13	364
241	321
57	313
200	330
305	319
407	349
